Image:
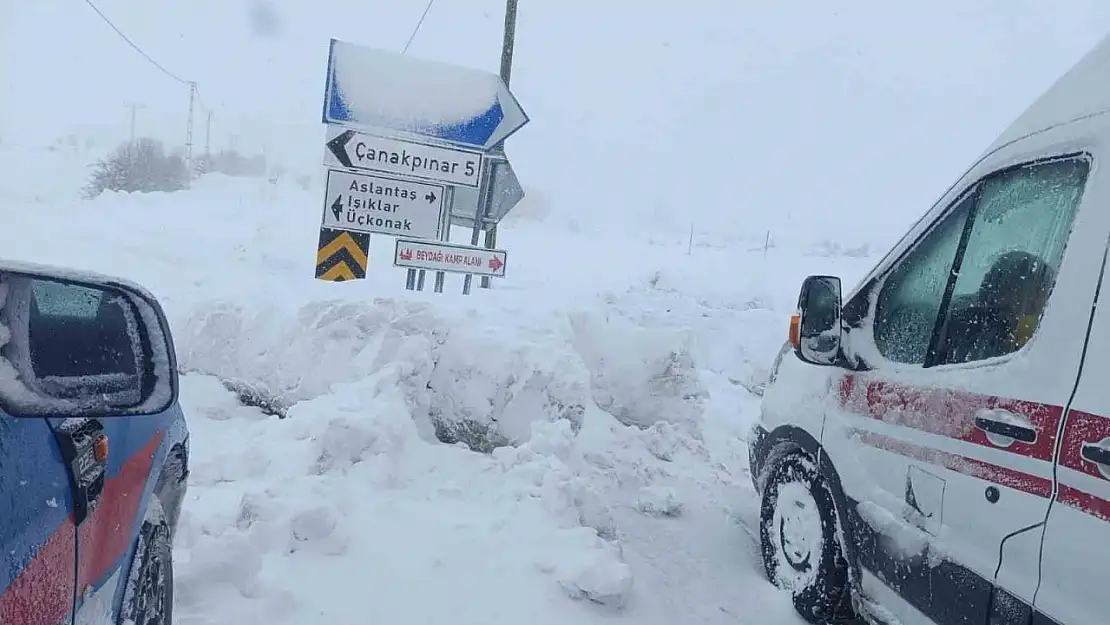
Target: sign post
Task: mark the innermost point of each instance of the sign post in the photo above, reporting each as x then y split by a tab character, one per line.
508	44
410	146
481	213
446	238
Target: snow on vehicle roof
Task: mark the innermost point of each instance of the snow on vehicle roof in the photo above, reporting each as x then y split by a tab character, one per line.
1084	90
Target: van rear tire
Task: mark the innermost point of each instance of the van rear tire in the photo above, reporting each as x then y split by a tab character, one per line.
800	539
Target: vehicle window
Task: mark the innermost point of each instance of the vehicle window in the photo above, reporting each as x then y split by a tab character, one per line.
1021	225
78	342
909	301
60	299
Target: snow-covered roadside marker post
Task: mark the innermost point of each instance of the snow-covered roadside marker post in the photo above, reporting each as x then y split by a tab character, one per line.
411	148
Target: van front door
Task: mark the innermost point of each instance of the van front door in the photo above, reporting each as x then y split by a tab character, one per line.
948	430
1077	536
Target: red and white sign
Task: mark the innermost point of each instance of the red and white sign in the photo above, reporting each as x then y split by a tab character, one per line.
449	257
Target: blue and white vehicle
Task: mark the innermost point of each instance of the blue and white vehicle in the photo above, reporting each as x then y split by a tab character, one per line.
93	450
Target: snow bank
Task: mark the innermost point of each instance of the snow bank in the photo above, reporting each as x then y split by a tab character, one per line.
368	505
616	387
345	513
641	376
478	383
463	382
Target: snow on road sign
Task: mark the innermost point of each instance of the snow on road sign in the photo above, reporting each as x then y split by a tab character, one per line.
378	89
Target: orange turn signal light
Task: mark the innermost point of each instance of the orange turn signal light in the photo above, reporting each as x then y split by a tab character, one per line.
795	330
100	449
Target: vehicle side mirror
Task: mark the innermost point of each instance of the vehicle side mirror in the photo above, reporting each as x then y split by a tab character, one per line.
83	346
815	330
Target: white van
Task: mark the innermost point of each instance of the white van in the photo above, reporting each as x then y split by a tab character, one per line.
937	448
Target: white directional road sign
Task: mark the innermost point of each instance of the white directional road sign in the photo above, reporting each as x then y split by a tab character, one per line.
504	188
438	256
376	89
358	150
381	205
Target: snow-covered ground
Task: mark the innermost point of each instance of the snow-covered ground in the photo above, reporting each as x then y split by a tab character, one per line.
620	379
686	166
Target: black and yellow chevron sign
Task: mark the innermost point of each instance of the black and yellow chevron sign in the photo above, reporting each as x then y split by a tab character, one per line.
342	255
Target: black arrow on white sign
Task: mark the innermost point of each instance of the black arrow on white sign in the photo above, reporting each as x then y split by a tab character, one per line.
431	197
337	207
338	147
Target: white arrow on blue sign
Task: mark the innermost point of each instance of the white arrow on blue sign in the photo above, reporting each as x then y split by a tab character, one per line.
377	89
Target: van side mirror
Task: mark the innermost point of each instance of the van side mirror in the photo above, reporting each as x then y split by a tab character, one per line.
82	346
815	330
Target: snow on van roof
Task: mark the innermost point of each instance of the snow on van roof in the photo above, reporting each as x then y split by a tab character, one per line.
1083	90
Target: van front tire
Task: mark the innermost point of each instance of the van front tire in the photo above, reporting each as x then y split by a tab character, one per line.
801	541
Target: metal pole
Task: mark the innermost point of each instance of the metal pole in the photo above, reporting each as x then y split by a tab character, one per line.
189	131
485	199
131	138
507	46
509	41
134	107
445	231
208	136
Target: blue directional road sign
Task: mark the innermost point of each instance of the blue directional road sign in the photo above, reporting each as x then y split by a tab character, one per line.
376	89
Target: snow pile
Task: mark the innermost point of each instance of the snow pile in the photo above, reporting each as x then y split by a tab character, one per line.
345	513
641	376
471	381
617	388
347	493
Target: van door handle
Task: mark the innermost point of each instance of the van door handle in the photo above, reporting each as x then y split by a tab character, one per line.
1096	453
1022	433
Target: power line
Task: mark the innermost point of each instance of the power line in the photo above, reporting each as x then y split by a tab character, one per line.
418	25
135	46
200	100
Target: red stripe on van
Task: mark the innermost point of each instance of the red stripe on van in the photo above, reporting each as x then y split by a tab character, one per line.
1069	495
1083	428
952	414
1084	502
1018	480
948	413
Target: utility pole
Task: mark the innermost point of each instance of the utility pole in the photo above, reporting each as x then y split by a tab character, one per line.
208	137
507	45
134	106
189	131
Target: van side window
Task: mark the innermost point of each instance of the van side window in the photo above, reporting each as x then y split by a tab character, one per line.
911	296
1022	221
